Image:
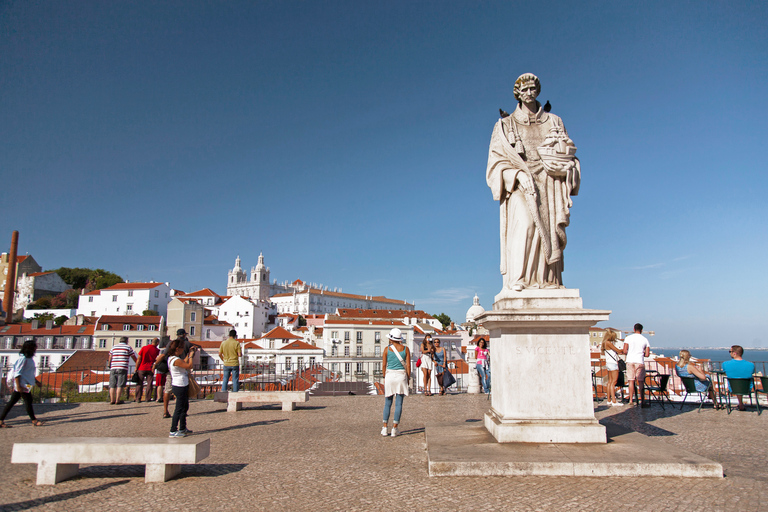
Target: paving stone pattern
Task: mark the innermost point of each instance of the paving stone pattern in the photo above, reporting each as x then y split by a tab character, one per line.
328	454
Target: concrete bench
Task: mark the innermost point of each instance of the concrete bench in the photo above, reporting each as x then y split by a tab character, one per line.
58	459
235	401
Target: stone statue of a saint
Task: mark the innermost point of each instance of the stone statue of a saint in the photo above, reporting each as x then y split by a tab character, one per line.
532	172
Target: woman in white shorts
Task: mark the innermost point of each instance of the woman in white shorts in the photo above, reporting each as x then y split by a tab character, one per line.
427	365
610	351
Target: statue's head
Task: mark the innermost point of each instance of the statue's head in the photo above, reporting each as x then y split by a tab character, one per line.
527	81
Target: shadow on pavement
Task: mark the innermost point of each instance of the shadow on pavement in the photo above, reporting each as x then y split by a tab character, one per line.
236	427
25	505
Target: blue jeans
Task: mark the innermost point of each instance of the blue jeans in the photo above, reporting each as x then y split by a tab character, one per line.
485	377
398	407
235	372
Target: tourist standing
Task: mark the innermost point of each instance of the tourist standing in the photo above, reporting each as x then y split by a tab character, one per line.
440	363
118	369
482	353
162	360
397	370
229	353
147	356
180	385
637	348
23	374
427	365
611	353
738	368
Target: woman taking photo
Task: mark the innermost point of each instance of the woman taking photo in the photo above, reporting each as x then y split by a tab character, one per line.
440	360
427	365
685	368
611	353
483	369
23	378
180	385
396	362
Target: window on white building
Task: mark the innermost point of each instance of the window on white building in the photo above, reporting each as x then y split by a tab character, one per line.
157	293
102	343
192	330
130	293
126	327
377	337
346	351
44	360
137	343
155	308
192	316
346	336
359	367
152	327
359	336
90	299
334	335
129	307
105	327
347	367
311	361
377	350
114	298
208	334
359	351
3	361
288	363
140	327
334	351
300	363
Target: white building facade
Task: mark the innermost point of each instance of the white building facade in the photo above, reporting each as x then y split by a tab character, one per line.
126	299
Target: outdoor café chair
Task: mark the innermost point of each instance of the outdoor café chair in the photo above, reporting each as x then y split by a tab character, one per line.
741	387
690	387
764	382
659	392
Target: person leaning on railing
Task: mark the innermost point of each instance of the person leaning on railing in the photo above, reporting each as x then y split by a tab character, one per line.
684	368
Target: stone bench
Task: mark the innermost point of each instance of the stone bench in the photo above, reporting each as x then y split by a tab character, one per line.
235	401
59	458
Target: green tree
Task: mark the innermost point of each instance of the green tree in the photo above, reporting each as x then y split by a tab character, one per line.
302	321
41	303
149	312
91	279
59	320
444	319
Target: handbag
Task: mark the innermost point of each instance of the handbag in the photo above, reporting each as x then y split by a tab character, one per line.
135	379
448	379
620	362
193	388
418	363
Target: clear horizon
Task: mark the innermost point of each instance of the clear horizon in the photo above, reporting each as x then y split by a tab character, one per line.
348	142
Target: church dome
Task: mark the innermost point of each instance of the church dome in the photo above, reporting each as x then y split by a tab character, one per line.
474	310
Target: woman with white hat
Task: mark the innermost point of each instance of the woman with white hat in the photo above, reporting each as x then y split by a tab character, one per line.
396	364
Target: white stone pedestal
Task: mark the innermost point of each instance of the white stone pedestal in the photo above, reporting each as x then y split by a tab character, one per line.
540	369
473	383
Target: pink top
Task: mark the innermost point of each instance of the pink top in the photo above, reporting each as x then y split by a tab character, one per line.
481	354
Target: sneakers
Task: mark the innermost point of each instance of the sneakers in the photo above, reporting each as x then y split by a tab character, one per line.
395	432
178	433
384	431
186	431
617	404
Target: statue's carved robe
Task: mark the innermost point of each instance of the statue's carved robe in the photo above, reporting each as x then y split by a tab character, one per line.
532	226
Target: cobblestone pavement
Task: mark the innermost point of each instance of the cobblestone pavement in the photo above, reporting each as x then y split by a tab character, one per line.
329	455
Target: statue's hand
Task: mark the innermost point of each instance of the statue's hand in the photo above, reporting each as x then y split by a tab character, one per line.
508	178
524	183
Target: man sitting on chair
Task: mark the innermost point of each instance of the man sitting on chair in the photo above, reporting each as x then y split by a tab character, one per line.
738	368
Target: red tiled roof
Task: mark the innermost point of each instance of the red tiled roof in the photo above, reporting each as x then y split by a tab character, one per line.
280	334
82	359
253	345
205	292
130	319
19	259
298	282
133	286
341	295
299	345
38	274
382	313
26	329
345	321
94	292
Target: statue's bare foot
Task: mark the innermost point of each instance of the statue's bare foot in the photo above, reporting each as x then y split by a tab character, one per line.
518	287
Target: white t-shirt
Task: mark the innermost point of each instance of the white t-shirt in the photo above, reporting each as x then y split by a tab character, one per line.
636	351
178	374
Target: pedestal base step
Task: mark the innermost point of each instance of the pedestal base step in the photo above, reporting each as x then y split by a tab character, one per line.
462	450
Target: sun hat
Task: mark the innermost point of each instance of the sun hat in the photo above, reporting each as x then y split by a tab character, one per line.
396	335
181	332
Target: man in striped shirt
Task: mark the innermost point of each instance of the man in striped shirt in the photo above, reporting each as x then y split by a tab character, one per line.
118	368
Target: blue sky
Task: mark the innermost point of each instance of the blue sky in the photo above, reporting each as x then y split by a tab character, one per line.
348	141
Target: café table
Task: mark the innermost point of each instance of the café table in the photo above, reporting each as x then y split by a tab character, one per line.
719	377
